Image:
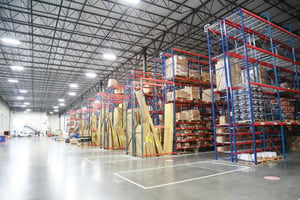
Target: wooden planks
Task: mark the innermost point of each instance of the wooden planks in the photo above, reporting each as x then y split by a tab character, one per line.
169	128
146	118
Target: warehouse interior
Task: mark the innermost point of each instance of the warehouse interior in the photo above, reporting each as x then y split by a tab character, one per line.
152	99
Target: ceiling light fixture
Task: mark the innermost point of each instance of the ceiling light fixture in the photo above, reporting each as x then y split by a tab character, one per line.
55	107
72	93
13	80
109	56
90	75
26	103
23	106
73	85
11	41
28	110
131	1
50	112
17	68
20	98
61	104
56	110
61	100
23	91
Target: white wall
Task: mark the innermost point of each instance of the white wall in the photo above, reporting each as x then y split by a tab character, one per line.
53	122
39	120
4	117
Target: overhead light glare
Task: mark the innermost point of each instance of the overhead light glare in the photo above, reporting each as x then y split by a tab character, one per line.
26	103
61	104
109	56
56	110
61	100
23	106
20	98
50	112
73	85
131	1
17	68
72	93
13	80
55	107
91	75
11	41
28	110
23	91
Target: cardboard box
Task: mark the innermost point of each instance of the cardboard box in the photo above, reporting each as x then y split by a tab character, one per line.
180	94
235	71
193	93
181	116
194	74
258	75
180	67
112	82
223	119
206	95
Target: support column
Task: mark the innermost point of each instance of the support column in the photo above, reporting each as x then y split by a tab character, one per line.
144	59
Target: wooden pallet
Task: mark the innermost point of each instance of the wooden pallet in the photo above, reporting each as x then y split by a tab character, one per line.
263	160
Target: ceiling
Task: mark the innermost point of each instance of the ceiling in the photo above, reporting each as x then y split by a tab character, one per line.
62	40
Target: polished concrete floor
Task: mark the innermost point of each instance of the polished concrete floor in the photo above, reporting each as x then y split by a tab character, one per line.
42	169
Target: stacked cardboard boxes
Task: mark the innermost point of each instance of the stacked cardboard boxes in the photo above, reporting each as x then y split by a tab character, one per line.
193	93
235	73
180	67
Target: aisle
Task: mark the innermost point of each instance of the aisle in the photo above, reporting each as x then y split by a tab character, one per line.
40	168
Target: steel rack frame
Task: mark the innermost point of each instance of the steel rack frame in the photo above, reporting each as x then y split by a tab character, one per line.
258	47
202	128
142	81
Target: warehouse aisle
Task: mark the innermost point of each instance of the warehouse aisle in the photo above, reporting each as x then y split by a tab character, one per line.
39	168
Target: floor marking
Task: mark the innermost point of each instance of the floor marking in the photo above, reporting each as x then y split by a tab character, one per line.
225	163
177	182
112	161
177	156
87	160
218	170
153	168
106	156
169	160
194	179
130	181
272	178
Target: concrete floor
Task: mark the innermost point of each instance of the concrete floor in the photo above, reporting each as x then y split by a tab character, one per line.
42	169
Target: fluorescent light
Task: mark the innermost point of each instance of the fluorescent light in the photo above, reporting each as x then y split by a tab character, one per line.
23	106
56	110
20	98
26	103
61	100
50	112
72	93
10	41
17	68
13	80
55	107
91	75
23	91
73	85
28	110
109	56
131	1
61	104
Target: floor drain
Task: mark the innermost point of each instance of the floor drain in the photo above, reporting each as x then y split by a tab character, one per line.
272	178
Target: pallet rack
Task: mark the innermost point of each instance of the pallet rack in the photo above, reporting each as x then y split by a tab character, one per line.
258	62
111	129
189	134
143	86
72	121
